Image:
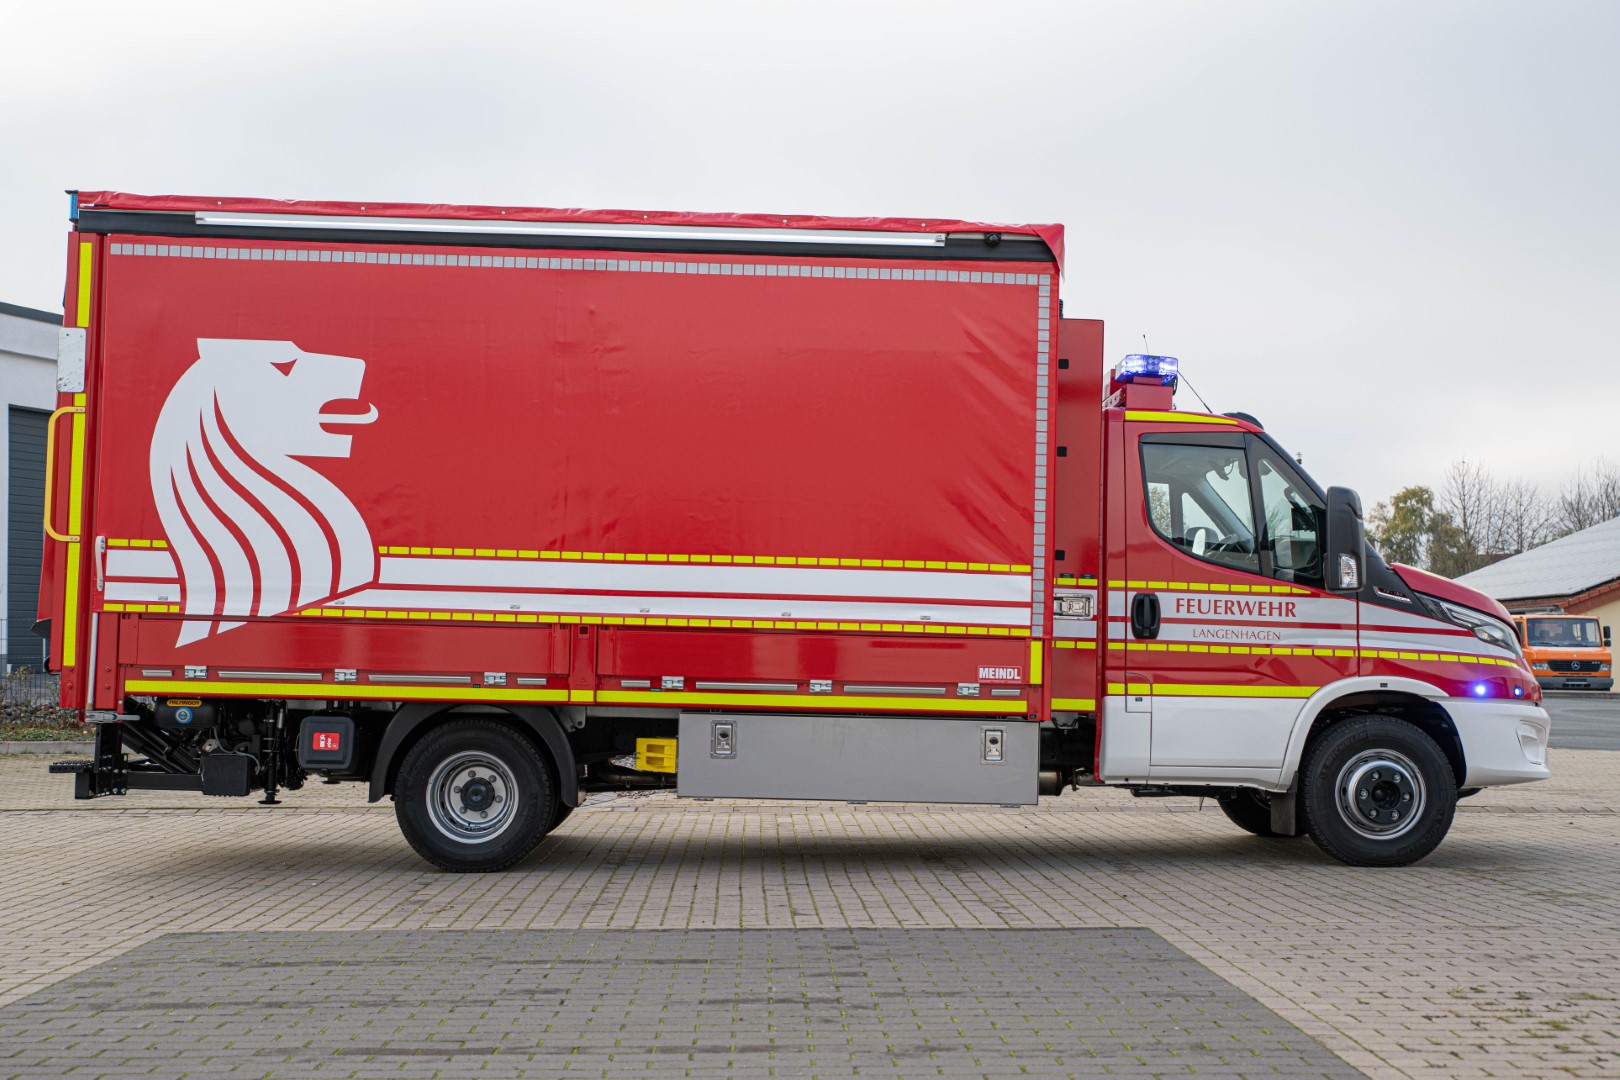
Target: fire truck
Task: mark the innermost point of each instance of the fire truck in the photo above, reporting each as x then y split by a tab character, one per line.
489	508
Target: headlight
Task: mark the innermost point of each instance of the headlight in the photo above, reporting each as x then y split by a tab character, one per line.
1540	665
1487	629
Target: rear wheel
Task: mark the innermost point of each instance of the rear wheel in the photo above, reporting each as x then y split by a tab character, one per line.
1250	811
1377	791
474	795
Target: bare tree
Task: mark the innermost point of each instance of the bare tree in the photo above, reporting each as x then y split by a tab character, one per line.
1590	498
1524	518
1471	498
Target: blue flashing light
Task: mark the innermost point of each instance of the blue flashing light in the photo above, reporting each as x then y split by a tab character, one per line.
1518	691
1481	689
1146	368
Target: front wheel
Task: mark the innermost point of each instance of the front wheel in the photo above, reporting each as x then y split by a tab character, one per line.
474	795
1377	791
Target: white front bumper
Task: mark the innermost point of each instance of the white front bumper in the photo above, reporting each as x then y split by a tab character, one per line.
1504	742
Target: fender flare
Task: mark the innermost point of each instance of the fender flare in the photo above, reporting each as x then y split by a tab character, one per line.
411	718
1326	696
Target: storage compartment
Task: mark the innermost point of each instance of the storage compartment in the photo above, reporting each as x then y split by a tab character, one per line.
858	758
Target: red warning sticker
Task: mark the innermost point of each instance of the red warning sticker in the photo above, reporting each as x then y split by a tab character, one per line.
328	740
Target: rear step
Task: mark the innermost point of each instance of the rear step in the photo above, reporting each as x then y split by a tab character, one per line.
92	779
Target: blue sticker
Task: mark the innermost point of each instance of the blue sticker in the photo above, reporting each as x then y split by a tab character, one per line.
182	715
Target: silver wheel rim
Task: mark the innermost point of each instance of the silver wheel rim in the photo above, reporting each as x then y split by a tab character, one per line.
472	797
1381	794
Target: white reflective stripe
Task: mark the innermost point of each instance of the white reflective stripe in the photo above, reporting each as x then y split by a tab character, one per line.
139	563
143	591
664	577
1381	618
1463	646
682	607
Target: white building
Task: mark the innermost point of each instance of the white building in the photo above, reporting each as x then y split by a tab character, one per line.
27	396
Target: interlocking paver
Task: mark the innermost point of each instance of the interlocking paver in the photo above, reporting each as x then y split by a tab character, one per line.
599	1002
1499	955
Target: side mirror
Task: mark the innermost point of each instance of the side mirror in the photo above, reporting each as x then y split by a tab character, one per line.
1606	641
1346	541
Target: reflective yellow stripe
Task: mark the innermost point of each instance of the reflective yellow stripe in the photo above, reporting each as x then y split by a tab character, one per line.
1212	690
339	693
1073	643
1074	704
1035	663
1128	688
84	283
70	593
1178	418
809	701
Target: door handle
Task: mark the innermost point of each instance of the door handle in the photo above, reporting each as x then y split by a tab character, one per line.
50	473
1145	616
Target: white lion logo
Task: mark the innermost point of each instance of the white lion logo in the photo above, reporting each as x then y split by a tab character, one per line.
253	530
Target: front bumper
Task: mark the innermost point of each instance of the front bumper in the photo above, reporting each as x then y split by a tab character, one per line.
1504	742
1575	682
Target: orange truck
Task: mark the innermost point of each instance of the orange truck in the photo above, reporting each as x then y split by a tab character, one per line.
1566	652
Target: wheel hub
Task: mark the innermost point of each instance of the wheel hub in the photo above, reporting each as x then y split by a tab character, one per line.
472	797
1381	794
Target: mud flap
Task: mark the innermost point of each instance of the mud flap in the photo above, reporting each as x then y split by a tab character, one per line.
1285	813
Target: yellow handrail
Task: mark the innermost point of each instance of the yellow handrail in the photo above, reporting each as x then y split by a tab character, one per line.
50	471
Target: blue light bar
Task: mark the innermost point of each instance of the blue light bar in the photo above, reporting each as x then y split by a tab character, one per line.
1144	368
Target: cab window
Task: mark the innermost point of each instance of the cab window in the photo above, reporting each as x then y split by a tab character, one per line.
1198	498
1293	524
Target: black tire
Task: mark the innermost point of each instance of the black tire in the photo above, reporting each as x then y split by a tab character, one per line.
474	795
563	810
1376	791
1250	811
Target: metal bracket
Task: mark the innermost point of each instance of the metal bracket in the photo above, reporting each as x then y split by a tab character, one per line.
348	674
673	682
196	671
821	686
494	678
967	689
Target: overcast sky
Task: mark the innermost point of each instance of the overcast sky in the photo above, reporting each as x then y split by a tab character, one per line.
1389	229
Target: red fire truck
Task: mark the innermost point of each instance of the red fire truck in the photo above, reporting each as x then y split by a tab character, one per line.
490	508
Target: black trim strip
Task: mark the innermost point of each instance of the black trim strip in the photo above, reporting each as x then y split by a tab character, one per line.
1010	248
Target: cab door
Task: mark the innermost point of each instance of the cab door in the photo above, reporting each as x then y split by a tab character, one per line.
1224	614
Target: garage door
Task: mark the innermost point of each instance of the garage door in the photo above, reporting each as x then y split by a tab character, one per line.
25	539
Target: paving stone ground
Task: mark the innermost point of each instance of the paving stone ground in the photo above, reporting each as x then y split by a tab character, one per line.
603	1003
1497	956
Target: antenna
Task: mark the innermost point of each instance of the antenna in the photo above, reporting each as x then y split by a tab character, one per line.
1197	395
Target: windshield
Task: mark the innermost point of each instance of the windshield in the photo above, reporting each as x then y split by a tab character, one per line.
1564	633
